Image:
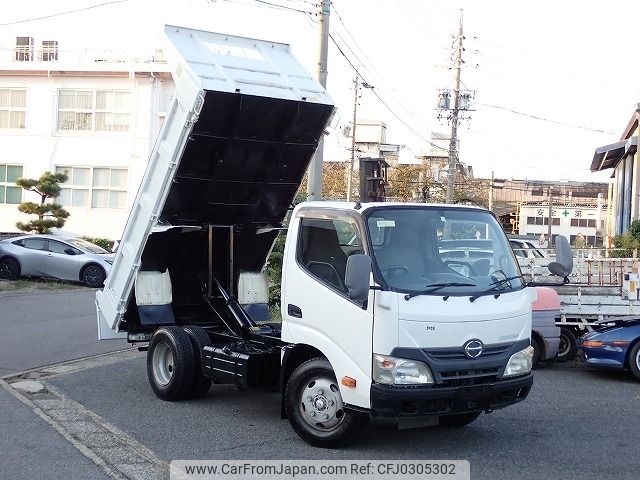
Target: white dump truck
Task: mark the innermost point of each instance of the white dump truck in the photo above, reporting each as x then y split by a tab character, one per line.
379	317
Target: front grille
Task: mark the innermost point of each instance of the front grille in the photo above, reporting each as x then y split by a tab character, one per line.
467	378
457	353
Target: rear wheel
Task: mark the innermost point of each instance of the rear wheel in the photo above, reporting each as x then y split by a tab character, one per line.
568	345
634	361
537	350
9	269
459	420
199	340
315	408
170	363
93	276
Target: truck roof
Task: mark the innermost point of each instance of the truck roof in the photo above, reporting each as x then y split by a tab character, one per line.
362	207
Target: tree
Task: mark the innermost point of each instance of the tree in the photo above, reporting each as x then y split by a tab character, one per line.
50	215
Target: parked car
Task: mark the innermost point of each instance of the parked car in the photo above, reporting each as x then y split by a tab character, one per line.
614	347
61	257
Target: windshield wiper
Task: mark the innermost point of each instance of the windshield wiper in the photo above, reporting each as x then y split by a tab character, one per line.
437	286
495	288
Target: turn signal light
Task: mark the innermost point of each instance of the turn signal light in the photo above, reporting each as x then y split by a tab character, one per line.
349	382
592	343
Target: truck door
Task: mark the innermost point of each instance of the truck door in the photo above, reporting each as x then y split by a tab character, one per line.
316	307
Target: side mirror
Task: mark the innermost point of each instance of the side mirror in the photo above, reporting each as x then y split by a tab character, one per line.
356	278
563	266
69	251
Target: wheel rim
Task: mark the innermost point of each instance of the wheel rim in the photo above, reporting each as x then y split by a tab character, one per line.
162	364
321	405
92	276
8	269
638	360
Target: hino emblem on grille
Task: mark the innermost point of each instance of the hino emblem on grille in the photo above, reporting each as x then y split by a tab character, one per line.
473	348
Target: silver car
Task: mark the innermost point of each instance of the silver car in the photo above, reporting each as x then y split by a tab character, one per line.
62	257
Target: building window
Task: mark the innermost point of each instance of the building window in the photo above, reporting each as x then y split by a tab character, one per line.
49	51
24	49
95	187
542	221
9	191
582	222
13	105
94	110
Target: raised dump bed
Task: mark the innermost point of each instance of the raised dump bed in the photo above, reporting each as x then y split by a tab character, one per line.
244	123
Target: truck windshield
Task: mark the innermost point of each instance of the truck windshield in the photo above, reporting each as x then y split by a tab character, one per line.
462	250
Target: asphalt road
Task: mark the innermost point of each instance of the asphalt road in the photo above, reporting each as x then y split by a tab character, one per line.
37	328
42	327
575	424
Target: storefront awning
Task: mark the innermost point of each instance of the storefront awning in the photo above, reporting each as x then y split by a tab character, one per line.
608	156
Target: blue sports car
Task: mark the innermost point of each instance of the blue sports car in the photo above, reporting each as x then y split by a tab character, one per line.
616	346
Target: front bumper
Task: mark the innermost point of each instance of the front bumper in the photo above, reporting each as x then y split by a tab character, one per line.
599	358
392	401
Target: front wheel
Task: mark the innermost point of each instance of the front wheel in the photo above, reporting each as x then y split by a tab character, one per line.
315	408
459	420
9	269
568	345
634	361
93	276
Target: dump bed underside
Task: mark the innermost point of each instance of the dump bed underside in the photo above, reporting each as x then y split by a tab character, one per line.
244	126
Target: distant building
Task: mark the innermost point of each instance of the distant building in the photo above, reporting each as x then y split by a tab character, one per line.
622	157
578	208
91	114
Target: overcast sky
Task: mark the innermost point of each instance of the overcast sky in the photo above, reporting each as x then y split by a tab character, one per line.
574	64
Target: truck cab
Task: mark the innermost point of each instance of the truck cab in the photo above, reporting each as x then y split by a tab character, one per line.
431	337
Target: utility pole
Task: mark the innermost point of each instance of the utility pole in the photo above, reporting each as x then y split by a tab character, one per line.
550	219
314	179
453	143
491	193
356	85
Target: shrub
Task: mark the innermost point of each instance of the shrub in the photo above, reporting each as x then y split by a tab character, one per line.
101	242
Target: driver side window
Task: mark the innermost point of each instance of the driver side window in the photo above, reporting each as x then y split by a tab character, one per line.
324	246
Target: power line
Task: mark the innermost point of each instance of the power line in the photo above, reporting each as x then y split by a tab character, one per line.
353	67
352	38
535	117
67	12
283	7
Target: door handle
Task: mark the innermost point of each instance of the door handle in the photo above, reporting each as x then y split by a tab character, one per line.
294	311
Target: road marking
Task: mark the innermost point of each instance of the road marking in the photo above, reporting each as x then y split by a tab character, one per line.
119	455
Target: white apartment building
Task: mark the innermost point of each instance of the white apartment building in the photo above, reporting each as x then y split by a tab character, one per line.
91	114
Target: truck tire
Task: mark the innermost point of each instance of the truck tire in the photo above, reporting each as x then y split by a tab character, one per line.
537	350
568	345
199	339
459	420
315	409
170	363
634	360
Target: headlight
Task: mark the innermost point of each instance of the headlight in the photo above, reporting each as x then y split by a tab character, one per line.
398	371
520	363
